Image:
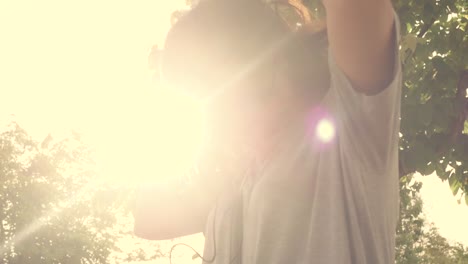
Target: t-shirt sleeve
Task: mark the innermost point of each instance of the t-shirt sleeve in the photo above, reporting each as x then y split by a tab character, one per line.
367	126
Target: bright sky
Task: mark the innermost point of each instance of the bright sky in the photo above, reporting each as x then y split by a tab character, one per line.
83	65
442	208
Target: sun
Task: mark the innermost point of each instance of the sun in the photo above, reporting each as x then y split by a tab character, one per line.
163	142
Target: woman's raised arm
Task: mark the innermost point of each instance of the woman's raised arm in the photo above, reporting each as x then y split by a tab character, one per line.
361	40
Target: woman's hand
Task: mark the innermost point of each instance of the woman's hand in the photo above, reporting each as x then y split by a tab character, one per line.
164	212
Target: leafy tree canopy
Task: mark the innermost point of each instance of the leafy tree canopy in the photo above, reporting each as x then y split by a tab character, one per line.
49	211
435	105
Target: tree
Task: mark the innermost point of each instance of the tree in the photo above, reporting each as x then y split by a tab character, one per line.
417	240
435	107
49	211
410	225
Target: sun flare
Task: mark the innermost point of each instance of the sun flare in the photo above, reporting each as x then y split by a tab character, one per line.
160	144
83	66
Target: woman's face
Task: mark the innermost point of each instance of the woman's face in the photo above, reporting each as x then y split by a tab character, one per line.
250	110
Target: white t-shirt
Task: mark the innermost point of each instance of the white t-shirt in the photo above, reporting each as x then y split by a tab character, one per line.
316	202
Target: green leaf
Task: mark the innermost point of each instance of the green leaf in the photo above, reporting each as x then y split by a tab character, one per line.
409	28
425	114
454	184
451	180
455	188
444	175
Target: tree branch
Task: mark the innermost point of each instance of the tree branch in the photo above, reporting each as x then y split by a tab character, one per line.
461	104
426	27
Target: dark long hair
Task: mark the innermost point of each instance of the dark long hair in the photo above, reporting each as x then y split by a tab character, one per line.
210	45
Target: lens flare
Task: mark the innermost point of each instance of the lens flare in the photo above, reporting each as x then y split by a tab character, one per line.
321	126
325	130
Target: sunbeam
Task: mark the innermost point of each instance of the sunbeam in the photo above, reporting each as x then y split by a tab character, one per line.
268	51
37	224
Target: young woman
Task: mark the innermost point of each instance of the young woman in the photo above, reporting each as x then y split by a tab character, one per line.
319	137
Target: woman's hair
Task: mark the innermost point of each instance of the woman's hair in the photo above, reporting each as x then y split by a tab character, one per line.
221	41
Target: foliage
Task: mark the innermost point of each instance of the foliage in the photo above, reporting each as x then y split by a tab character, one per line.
435	106
417	240
54	209
49	212
410	226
